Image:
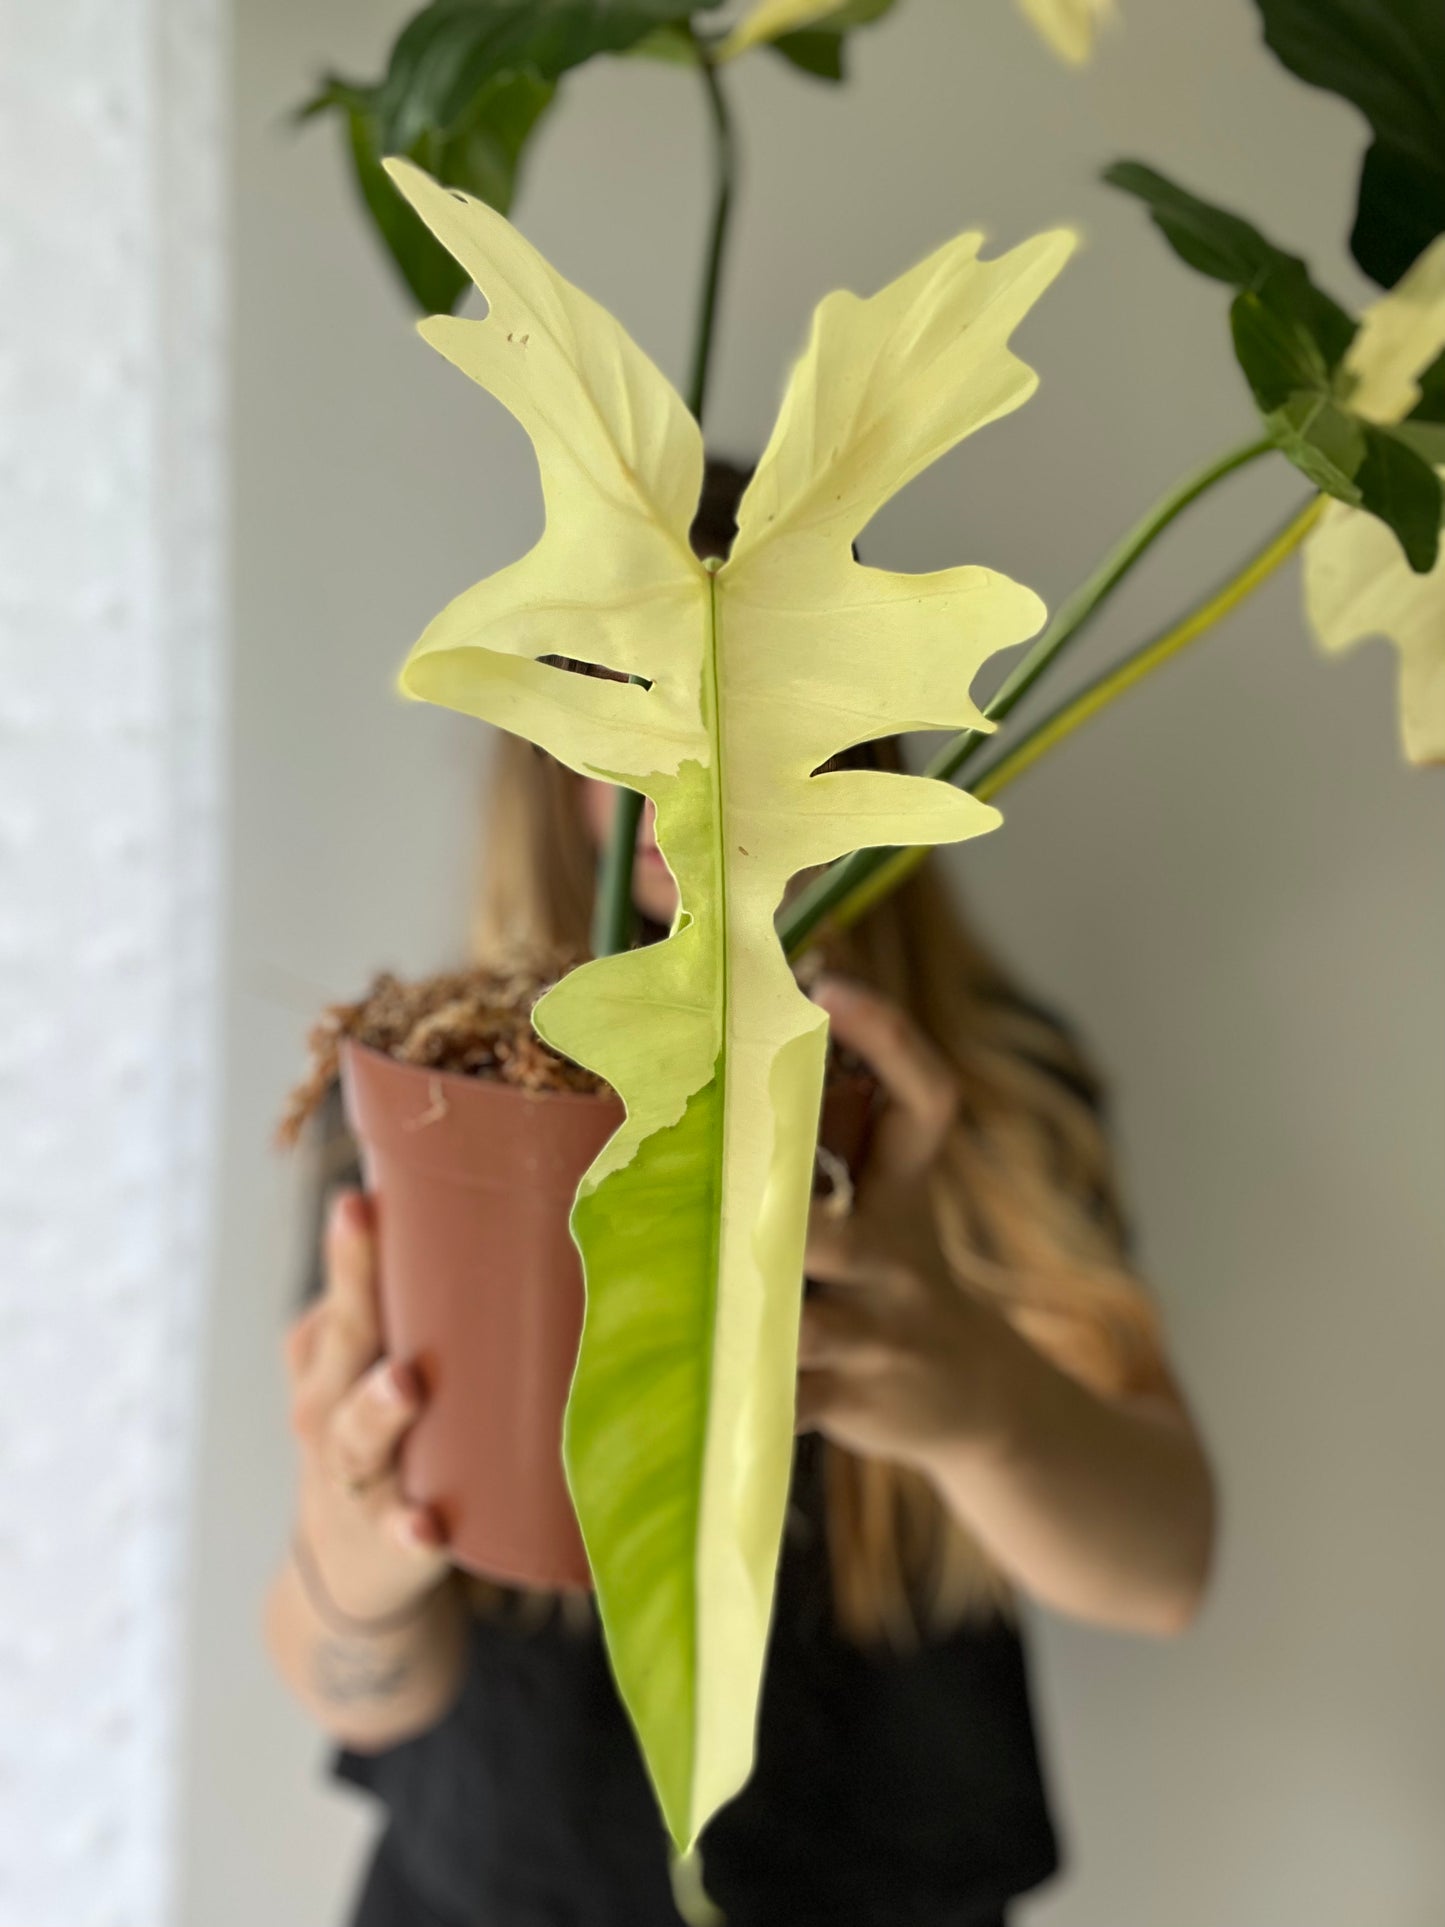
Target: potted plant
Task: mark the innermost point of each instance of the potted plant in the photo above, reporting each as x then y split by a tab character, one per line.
475	1135
730	685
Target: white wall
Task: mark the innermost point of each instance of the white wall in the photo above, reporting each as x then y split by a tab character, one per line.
1231	884
112	633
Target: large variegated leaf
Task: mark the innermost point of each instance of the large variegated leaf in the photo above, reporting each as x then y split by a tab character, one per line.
691	1223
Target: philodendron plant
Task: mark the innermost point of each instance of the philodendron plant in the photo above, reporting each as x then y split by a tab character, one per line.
1355	404
731	685
740	682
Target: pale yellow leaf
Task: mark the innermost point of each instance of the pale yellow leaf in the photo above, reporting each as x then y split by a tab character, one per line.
1358	584
1399	336
1070	26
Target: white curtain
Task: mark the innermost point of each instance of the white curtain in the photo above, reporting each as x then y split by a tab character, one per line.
111	471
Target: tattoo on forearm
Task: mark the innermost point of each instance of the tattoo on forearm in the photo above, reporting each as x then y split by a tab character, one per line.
348	1670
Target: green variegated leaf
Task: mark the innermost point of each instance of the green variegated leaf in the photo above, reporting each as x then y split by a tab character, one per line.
752	676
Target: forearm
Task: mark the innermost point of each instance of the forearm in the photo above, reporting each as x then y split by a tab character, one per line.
1103	1509
368	1689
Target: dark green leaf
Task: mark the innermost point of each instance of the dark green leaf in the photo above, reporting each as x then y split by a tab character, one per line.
1387	57
452	48
1431	405
818	54
670	42
1229	249
1324	443
1400	211
1403	490
1278	356
818	48
433	277
480	155
1426	438
484	151
853	13
465	85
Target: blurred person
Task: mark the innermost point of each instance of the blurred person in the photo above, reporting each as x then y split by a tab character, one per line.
985	1409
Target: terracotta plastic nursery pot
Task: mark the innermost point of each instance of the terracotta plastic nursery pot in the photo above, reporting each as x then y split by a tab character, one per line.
482	1295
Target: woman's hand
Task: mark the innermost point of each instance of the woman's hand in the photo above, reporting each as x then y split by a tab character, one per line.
1103	1508
896	1361
350	1409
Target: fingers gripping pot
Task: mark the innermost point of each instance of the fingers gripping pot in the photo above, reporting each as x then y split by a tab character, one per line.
482	1294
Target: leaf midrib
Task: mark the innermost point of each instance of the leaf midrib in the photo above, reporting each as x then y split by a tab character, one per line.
711	695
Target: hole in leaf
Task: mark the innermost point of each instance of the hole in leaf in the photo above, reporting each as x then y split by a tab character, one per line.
881	753
574	667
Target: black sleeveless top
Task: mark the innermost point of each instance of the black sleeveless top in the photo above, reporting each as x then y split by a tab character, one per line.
891	1789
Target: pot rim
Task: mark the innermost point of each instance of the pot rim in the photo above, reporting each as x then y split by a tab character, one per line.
471	1080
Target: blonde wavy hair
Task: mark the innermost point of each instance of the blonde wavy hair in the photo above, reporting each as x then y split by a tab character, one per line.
1026	1205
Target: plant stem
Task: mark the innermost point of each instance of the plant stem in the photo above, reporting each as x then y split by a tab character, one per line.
1097	695
1149	656
824	897
724	177
614	921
